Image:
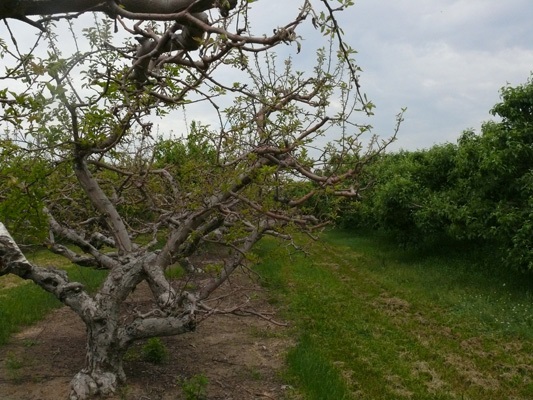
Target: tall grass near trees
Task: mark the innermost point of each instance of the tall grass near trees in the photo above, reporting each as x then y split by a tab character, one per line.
379	322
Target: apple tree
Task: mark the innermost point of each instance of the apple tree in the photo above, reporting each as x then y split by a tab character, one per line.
98	165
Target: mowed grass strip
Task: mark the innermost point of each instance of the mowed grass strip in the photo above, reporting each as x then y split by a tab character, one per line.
387	323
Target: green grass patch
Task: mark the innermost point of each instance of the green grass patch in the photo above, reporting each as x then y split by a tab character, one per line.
21	306
89	277
383	322
308	364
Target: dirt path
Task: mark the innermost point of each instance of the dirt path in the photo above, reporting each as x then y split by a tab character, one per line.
240	356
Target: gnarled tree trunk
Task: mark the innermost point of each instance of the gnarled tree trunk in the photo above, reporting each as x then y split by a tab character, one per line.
104	369
108	338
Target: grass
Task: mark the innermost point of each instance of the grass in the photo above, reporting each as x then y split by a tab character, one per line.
310	364
23	303
372	320
21	306
379	322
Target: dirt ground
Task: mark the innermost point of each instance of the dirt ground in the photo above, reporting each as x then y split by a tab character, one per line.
240	356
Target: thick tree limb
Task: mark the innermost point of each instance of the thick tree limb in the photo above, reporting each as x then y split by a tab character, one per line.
72	236
166	326
137	9
102	203
13	261
11	257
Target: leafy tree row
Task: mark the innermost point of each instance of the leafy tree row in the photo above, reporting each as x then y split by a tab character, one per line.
480	188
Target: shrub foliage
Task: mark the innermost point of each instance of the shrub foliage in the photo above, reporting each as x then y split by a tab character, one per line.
480	188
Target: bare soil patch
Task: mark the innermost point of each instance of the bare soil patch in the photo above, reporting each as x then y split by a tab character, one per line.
240	356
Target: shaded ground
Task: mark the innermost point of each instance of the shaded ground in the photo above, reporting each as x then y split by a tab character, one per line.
240	356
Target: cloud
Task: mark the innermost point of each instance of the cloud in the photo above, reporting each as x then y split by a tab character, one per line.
443	60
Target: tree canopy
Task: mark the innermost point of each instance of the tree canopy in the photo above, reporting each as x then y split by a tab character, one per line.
477	189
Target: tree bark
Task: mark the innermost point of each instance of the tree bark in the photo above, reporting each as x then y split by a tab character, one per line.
13	261
22	8
104	367
105	349
102	203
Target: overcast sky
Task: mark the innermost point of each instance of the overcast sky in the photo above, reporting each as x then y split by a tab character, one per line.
445	60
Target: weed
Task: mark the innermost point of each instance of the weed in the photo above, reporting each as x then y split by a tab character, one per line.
195	388
214	269
155	351
13	364
190	286
255	374
30	342
174	272
132	354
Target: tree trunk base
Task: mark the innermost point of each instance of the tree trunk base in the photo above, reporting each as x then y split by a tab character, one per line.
85	386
